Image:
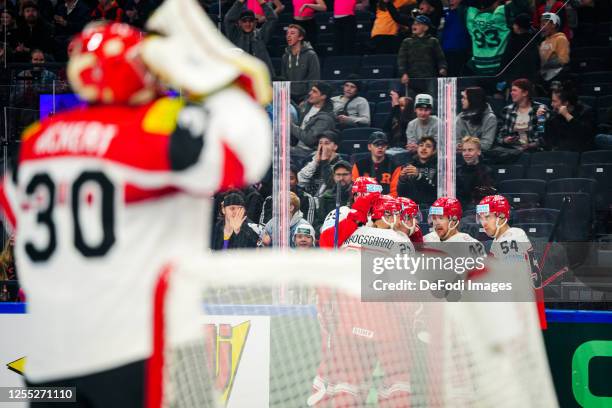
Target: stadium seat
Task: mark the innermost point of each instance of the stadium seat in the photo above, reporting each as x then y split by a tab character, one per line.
558	157
401	159
591	101
588	64
358	156
549	171
508	172
338	68
379	72
604	101
599	89
473	229
326	37
379	119
383	107
595	77
378	96
524	159
575	224
379	59
372	106
596	156
590	52
325	50
351	147
364	27
496	105
523	186
536	230
572	185
523	200
360	133
534	215
324	17
602	172
364	16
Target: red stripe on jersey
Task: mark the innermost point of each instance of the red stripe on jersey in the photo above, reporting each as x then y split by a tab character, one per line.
233	170
155	365
6	206
135	194
113	133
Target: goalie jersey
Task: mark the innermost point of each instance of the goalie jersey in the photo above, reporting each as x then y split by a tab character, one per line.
101	199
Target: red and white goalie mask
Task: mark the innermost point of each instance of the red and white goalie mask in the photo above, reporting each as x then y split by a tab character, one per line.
105	65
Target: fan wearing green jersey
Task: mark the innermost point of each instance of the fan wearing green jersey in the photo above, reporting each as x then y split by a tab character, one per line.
489	27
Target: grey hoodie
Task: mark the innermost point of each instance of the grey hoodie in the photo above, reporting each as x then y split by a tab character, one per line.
254	42
486	131
302	67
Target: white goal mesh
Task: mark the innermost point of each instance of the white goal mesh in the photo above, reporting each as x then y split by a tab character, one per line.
329	349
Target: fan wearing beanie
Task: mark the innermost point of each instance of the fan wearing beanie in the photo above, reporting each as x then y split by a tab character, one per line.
351	110
233	231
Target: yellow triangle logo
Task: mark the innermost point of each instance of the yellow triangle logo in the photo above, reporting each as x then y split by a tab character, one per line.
17	366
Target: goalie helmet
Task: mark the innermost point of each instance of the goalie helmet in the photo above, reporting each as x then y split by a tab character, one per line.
385	205
105	65
494	204
365	185
448	207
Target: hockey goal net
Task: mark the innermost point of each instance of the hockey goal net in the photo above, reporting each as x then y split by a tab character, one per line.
289	330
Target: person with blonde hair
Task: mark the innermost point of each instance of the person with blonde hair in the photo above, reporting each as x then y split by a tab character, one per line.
472	176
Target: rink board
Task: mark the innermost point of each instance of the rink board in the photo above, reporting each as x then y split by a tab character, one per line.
579	344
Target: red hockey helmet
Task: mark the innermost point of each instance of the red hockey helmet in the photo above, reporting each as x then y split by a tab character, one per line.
494	204
105	65
365	185
385	205
446	206
408	208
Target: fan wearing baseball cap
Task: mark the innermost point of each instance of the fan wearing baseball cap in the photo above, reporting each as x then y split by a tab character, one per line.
554	50
421	56
425	124
379	165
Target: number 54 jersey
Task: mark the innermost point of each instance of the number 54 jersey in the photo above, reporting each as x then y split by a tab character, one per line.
100	199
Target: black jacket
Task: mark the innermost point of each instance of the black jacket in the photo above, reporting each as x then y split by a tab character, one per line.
246	238
469	179
577	135
423	188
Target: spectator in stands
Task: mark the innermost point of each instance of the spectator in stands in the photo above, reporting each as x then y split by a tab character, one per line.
303	15
38	75
554	50
472	176
138	11
385	30
518	131
418	180
425	123
240	28
260	14
300	63
316	116
108	10
297	220
32	31
378	164
308	204
552	6
476	118
572	124
70	18
345	25
9	31
421	56
455	38
315	176
432	9
233	231
351	110
489	49
7	260
402	112
327	201
524	62
303	237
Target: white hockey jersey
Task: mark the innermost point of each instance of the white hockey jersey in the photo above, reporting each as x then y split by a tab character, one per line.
514	246
378	240
100	200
